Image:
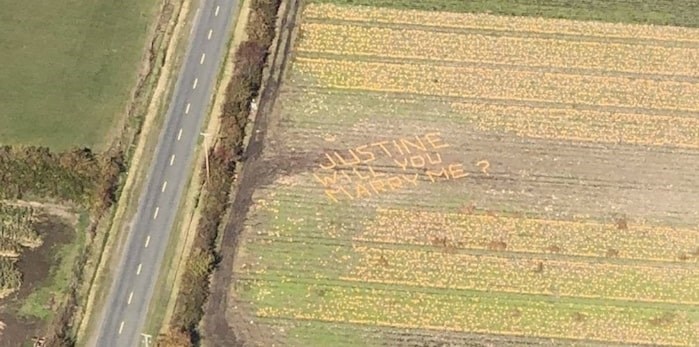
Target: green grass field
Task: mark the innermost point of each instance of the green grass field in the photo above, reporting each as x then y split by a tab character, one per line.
68	68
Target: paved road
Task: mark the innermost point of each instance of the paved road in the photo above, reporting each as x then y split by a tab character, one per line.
121	322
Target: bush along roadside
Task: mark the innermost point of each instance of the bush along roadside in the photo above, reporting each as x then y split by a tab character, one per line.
249	62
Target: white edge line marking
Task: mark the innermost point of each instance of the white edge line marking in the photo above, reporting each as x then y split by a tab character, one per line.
172	159
164	185
147	241
194	85
155	215
203	56
186	109
121	327
216	13
211	31
196	15
179	135
130	297
138	271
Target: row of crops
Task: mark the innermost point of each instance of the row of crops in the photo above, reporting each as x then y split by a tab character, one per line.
17	232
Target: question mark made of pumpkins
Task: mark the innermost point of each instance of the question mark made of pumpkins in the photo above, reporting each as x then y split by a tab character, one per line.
484	165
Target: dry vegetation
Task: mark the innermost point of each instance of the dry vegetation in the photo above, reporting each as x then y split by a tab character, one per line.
476	176
16	232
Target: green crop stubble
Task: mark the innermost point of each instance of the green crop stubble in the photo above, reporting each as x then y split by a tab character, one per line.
298	228
296	241
433	267
68	68
472	311
303	261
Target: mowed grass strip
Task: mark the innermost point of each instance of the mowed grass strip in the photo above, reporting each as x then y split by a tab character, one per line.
441	267
409	43
500	83
472	312
68	69
580	238
658	12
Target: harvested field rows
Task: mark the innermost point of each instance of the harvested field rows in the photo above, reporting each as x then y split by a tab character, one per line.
542	121
581	238
583	125
447	268
442	268
482	314
496	83
476	175
322	333
502	23
462	47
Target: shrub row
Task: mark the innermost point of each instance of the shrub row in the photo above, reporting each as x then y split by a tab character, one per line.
249	63
78	176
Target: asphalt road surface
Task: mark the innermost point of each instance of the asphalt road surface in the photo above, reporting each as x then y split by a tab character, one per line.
122	320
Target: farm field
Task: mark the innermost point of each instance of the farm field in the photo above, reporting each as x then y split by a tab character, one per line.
475	179
68	69
660	12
